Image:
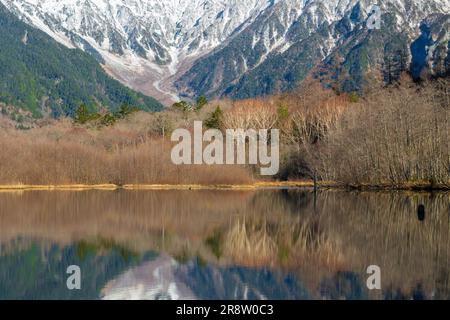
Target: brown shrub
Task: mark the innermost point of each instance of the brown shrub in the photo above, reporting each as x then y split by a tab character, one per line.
128	153
396	135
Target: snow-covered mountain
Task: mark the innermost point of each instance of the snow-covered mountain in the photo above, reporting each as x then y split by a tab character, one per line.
142	42
151	44
288	41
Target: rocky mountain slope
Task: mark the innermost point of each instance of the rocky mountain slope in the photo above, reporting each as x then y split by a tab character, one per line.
332	39
241	48
41	77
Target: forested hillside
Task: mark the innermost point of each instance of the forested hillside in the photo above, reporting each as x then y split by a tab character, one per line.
39	75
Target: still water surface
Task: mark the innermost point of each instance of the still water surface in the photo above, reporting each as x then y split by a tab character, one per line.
271	244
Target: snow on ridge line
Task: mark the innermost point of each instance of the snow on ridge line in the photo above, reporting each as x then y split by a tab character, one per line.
164	37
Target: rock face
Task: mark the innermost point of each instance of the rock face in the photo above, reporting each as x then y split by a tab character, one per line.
241	48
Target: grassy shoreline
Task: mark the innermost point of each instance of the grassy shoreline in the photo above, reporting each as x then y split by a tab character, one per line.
419	186
393	139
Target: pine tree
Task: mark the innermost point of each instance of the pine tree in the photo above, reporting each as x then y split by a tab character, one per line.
201	102
215	119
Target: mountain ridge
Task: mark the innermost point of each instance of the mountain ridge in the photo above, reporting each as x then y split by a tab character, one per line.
230	48
45	78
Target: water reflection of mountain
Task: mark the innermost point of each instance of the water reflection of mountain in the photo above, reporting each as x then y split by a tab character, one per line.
34	271
164	278
238	283
153	280
247	243
38	271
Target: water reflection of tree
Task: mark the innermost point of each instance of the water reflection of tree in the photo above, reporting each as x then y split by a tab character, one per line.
344	232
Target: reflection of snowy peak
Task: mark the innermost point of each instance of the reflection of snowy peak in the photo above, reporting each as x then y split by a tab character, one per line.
150	44
153	280
163	278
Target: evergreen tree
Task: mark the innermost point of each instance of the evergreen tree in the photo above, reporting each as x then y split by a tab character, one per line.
215	119
201	102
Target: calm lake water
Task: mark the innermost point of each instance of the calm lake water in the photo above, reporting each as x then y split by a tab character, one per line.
271	244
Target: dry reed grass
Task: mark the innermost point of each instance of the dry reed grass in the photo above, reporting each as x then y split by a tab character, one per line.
129	153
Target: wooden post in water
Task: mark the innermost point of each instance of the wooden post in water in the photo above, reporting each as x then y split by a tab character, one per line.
421	212
315	191
315	182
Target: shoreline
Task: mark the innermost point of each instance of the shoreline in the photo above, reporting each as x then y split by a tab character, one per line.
237	187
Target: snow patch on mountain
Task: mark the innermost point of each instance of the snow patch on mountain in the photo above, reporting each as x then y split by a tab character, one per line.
147	44
141	35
